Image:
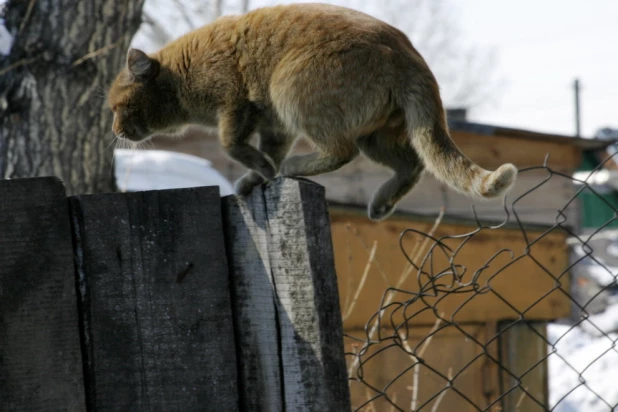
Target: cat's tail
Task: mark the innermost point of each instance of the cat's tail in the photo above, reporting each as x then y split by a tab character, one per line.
447	163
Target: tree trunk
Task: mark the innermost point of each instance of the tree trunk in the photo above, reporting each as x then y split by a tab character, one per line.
53	114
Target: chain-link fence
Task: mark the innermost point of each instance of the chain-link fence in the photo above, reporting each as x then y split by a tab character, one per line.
428	348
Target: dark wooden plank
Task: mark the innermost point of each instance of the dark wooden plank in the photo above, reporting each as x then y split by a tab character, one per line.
255	313
40	357
156	301
309	317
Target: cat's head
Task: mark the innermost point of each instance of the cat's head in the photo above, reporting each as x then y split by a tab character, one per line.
144	99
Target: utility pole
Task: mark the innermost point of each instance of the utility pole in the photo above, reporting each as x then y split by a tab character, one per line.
577	112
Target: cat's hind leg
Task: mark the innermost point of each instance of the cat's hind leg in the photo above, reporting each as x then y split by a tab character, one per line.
324	160
386	147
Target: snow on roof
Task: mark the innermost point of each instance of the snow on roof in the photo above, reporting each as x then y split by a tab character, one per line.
139	170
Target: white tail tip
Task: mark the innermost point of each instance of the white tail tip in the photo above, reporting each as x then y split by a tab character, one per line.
499	182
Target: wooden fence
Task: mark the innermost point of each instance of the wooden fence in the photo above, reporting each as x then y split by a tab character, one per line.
173	300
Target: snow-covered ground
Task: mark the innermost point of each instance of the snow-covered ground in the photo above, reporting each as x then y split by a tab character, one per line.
583	368
139	170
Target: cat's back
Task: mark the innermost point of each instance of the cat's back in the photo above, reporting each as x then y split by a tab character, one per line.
304	25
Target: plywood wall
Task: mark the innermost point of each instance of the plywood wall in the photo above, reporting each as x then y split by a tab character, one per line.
498	275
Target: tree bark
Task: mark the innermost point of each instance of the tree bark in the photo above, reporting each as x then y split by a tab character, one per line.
53	114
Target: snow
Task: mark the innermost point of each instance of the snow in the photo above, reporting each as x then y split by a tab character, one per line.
598	269
139	170
6	39
604	322
584	364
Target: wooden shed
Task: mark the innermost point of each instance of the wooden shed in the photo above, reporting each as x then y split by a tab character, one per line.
478	341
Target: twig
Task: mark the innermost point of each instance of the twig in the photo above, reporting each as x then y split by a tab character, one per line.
368	396
19	63
393	403
520	400
389	298
183	12
27	16
96	53
377	262
372	255
434	408
421	352
420	249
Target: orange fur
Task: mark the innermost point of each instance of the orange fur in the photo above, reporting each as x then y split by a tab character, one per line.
344	80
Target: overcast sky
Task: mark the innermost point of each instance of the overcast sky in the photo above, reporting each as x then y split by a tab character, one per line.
542	46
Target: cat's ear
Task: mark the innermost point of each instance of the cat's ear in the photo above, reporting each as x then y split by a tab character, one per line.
142	67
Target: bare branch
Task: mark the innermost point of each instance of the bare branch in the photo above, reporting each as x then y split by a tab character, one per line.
27	16
96	53
19	63
182	9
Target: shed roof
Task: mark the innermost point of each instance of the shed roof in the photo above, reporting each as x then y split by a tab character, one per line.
491	130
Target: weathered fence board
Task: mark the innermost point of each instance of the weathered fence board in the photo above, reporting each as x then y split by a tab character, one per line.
254	303
40	359
155	294
293	218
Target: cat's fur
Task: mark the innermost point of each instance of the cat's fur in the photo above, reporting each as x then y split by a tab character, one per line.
340	78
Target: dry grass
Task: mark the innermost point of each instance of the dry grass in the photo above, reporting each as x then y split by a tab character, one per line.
417	254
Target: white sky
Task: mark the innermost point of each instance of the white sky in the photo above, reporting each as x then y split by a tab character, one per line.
542	46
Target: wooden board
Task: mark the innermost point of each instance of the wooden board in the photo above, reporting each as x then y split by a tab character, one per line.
286	225
40	357
527	283
388	381
157	308
487	364
253	296
492	151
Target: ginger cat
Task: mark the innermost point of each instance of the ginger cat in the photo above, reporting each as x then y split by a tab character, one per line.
340	78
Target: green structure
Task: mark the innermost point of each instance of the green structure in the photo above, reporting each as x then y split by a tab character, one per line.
598	207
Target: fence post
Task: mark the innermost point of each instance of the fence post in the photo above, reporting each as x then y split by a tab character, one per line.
40	358
287	317
523	353
154	292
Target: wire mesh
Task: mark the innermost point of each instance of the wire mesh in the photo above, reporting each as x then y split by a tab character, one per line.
416	354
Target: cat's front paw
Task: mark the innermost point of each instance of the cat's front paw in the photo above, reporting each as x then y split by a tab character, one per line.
244	186
267	170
